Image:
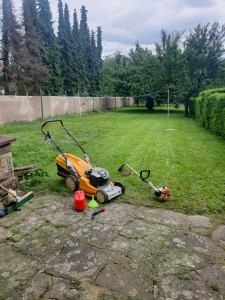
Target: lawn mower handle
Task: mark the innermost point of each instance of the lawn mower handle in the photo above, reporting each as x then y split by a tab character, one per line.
48	137
50	121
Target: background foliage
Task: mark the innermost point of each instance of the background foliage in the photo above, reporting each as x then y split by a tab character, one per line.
209	109
35	58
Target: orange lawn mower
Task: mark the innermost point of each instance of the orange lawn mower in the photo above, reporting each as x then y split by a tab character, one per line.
79	174
161	194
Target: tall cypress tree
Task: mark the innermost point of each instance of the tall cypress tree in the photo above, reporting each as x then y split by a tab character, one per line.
93	63
49	49
32	7
99	48
86	45
35	74
98	58
7	16
65	46
78	57
13	53
60	23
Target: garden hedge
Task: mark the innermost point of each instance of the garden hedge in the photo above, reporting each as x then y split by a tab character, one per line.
209	110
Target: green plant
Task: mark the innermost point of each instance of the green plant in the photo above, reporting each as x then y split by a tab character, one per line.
15	230
215	287
34	177
209	109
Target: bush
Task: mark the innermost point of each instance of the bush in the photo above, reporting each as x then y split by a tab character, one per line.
209	110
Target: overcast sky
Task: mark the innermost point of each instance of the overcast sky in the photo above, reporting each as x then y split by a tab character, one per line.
124	22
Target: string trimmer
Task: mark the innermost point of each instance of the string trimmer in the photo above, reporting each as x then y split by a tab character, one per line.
162	193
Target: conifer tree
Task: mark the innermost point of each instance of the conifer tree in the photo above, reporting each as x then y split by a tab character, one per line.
99	48
32	7
65	46
13	51
48	48
60	23
93	63
7	17
86	45
35	74
78	57
98	58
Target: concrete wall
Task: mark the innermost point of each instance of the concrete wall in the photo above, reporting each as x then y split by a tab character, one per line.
28	108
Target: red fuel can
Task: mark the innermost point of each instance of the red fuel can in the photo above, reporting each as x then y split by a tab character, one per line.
79	200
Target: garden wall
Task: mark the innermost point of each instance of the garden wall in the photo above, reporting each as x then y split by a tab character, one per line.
209	110
28	108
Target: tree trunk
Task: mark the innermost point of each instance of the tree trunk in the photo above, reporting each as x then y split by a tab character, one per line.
186	103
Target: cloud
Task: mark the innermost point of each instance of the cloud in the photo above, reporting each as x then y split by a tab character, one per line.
125	22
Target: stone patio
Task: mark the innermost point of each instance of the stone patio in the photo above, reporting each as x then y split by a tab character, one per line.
51	251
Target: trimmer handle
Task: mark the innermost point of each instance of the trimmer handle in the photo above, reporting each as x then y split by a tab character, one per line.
50	121
147	172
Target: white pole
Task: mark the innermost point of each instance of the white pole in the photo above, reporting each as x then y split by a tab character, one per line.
168	115
79	102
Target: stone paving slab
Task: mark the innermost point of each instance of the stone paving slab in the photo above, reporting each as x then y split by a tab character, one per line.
116	214
199	223
163	216
185	288
196	243
121	271
16	270
219	234
48	250
214	275
97	234
176	262
42	244
77	260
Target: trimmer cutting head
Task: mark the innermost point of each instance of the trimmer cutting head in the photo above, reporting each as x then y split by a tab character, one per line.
124	171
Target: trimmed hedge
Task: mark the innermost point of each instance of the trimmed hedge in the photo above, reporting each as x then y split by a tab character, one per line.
209	110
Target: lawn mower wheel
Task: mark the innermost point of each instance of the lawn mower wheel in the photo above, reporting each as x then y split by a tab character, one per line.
72	182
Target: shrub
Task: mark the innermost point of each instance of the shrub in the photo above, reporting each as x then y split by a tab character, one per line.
209	110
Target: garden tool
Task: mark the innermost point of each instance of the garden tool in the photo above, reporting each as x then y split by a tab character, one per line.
14	203
162	193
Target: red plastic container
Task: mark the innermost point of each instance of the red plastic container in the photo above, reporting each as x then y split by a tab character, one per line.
79	200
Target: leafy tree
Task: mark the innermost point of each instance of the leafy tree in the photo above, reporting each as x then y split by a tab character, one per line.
169	55
115	76
202	54
144	70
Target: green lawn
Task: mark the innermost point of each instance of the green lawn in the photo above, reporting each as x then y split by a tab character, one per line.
190	161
